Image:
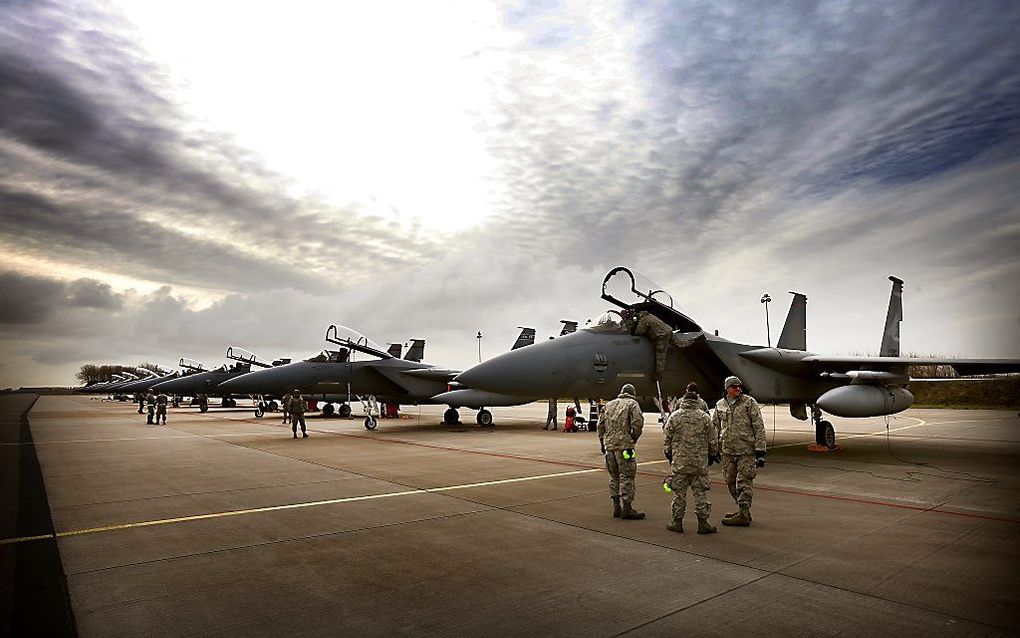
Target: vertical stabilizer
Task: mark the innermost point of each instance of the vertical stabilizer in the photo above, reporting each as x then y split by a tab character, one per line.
526	338
891	334
395	350
794	336
416	351
568	327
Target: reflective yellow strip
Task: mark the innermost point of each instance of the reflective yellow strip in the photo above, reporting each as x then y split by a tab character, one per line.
274	508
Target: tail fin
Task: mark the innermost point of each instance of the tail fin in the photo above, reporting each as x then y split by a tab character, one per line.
891	334
568	327
395	349
794	335
416	351
526	338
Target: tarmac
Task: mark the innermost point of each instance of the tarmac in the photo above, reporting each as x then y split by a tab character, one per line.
222	524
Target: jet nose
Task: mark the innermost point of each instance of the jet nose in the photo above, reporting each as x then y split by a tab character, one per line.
535	371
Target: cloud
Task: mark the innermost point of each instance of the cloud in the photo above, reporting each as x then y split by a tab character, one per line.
30	299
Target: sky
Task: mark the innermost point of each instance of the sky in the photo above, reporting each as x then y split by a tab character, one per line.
177	178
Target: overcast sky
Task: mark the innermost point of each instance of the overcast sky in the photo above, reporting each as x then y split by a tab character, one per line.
179	177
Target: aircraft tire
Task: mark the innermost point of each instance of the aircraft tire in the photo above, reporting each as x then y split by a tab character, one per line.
273	406
259	412
828	435
451	417
345	410
203	408
370	423
484	418
231	403
328	410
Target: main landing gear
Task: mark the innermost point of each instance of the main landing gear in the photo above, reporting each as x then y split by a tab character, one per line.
343	410
484	418
825	434
451	416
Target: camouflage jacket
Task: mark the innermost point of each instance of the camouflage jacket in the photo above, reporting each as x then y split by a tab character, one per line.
286	401
690	436
150	399
161	400
740	425
651	326
620	427
297	405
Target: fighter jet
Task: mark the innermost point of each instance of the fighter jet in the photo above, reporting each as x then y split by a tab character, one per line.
596	360
198	380
335	376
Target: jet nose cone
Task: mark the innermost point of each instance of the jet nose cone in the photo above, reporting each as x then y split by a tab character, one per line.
534	371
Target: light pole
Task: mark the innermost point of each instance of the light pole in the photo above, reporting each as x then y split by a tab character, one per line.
479	337
765	299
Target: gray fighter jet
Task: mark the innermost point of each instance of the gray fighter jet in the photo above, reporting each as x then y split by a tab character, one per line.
336	376
198	380
596	360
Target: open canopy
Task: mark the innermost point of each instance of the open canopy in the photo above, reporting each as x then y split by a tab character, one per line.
633	291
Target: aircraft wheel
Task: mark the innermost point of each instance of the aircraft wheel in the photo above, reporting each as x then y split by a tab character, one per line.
231	403
828	434
451	417
203	408
345	410
328	410
259	412
484	418
273	406
370	423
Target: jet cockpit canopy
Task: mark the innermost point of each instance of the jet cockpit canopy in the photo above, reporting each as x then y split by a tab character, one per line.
352	340
246	356
191	365
633	291
330	356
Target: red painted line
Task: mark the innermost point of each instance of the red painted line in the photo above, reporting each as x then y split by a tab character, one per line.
764	488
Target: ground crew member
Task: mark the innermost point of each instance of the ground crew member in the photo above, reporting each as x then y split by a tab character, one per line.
161	400
661	335
140	400
286	407
551	415
738	419
297	414
150	403
690	444
619	430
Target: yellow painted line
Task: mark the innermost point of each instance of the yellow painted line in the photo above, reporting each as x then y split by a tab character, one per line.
919	423
277	508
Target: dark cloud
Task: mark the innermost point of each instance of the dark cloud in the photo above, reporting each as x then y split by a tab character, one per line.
28	300
90	293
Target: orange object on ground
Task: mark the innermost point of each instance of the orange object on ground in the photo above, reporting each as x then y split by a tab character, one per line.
814	447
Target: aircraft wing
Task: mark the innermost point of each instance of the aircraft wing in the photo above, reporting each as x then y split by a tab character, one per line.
432	374
963	367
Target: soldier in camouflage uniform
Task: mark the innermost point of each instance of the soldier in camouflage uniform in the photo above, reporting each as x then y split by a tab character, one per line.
619	429
661	335
738	419
690	444
285	402
161	400
551	414
150	404
297	414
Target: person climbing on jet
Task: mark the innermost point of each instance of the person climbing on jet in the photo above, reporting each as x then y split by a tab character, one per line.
647	324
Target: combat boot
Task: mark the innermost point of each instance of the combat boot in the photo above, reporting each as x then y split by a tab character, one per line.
704	527
629	513
742	519
737	513
677	527
616	507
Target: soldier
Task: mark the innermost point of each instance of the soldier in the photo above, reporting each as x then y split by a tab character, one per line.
150	404
286	407
738	419
551	415
619	429
161	400
690	444
140	400
661	335
297	414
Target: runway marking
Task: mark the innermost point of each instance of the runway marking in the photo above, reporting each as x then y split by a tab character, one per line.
276	508
919	423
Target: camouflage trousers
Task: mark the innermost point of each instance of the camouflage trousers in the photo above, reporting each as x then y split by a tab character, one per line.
621	474
661	348
699	485
161	414
295	419
739	471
